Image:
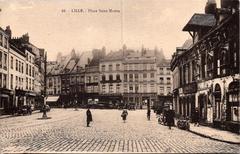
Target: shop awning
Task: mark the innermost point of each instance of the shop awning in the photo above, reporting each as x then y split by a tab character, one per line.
52	98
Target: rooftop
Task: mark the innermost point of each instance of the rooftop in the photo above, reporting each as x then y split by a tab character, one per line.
199	21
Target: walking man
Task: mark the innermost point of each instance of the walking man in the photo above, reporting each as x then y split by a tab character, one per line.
148	114
170	118
89	117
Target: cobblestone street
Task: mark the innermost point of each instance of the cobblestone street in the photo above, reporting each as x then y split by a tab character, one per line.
66	131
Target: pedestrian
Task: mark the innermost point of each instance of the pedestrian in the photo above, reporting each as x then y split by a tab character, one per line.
124	115
44	111
170	118
148	114
89	117
196	117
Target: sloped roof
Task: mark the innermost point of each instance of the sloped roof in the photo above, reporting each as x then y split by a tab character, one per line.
187	44
200	20
113	55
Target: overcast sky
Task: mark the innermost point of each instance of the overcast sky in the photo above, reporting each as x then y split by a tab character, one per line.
140	22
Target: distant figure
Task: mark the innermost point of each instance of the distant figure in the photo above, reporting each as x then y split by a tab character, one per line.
170	118
196	117
124	115
89	117
44	111
148	114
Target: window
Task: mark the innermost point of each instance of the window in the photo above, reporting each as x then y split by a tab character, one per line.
110	78
168	80
125	88
30	84
88	79
161	80
19	67
136	88
0	80
5	61
33	72
144	75
16	81
110	88
168	70
1	39
117	67
118	77
11	62
27	69
161	90
136	77
103	68
33	85
125	77
103	78
30	70
110	67
11	82
95	78
27	83
4	80
130	88
145	88
130	77
169	90
5	42
152	75
118	88
16	65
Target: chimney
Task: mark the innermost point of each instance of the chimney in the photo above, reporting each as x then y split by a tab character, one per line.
211	7
8	32
25	38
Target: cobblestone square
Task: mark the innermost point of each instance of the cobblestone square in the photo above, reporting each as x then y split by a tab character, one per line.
66	131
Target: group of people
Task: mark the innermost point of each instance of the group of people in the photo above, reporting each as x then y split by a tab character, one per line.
167	117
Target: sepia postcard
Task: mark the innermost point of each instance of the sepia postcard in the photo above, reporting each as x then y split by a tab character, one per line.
119	76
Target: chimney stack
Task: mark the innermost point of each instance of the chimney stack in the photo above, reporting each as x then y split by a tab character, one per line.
8	32
211	7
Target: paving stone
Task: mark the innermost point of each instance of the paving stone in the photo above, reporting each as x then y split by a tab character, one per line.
66	131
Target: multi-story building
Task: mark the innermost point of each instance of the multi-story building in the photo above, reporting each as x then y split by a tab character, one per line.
17	71
4	89
164	83
111	75
207	72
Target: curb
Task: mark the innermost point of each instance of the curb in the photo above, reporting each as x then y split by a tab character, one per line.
207	136
11	116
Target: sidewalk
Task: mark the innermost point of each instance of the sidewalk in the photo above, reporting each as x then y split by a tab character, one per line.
9	115
215	134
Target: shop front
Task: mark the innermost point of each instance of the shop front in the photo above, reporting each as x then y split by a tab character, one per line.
233	107
4	100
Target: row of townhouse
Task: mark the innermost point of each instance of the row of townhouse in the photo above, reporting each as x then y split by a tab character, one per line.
20	82
206	71
122	76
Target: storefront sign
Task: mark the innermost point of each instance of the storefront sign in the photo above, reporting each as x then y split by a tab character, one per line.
190	88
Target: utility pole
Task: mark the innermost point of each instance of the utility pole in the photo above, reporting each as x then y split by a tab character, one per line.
45	78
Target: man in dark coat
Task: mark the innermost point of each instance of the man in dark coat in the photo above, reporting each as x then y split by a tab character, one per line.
170	118
148	114
89	117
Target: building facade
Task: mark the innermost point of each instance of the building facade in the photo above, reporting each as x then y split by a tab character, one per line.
206	73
